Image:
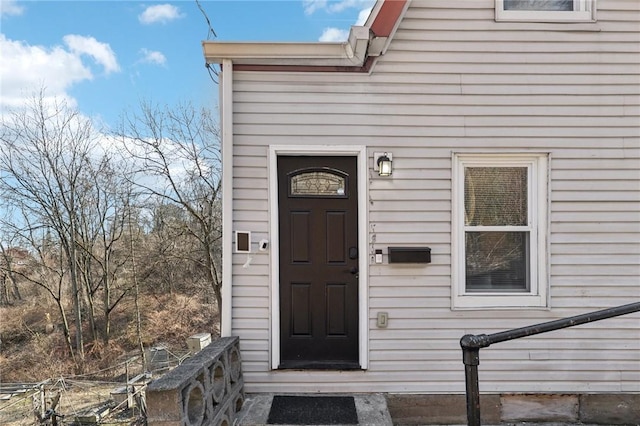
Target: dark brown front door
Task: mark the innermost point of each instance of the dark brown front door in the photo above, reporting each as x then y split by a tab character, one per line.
318	212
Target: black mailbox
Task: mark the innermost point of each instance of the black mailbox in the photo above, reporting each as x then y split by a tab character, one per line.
409	254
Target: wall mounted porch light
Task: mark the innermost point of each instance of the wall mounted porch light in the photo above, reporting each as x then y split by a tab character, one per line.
382	163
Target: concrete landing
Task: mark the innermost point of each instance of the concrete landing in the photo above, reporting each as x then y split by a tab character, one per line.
372	409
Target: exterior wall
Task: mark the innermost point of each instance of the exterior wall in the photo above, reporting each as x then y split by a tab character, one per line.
454	80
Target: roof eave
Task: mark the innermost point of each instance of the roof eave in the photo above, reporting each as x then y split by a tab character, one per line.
353	52
358	53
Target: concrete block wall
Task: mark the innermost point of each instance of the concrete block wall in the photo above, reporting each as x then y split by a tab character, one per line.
205	390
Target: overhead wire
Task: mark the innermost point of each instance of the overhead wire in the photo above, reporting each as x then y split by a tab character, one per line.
211	31
214	74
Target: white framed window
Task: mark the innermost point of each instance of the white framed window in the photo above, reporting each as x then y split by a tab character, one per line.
546	10
499	233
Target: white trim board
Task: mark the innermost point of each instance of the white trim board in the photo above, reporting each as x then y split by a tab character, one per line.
363	285
226	100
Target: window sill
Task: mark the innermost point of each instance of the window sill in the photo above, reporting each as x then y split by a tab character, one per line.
572	26
473	302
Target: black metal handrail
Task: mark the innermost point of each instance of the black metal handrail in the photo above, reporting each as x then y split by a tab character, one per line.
471	345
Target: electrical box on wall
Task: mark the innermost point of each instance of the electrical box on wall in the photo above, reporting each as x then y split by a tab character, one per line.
243	242
409	254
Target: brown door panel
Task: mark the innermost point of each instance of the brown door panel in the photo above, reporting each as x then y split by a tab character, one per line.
318	268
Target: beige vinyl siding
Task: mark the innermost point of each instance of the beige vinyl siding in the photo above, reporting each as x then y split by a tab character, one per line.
454	80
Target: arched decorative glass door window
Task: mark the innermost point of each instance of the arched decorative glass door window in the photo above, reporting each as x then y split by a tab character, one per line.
322	182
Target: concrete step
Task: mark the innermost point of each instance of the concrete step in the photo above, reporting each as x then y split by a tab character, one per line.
372	411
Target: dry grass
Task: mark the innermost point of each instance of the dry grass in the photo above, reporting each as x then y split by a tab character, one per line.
74	398
29	354
172	316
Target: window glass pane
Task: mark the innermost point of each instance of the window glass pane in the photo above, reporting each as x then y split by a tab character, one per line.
497	261
566	5
317	184
495	196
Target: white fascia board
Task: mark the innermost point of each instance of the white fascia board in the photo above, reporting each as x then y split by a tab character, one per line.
350	53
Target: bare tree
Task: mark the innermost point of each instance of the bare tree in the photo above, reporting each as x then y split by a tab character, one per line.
134	276
178	154
103	219
45	266
46	156
9	290
114	213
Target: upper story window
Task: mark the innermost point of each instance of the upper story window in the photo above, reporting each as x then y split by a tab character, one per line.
546	10
499	237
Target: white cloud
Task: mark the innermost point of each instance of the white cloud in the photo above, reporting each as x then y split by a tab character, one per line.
336	7
311	6
100	52
334	34
10	7
152	57
26	69
363	16
160	13
338	34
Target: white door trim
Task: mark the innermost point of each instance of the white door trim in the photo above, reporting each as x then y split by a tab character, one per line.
363	288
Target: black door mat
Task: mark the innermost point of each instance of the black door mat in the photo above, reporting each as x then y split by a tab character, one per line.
313	410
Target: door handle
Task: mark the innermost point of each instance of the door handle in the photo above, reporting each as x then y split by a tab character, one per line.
353	252
354	270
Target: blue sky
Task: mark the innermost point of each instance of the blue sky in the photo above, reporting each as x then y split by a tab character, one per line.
103	57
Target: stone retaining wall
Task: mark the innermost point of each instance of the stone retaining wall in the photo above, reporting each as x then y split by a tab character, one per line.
206	389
